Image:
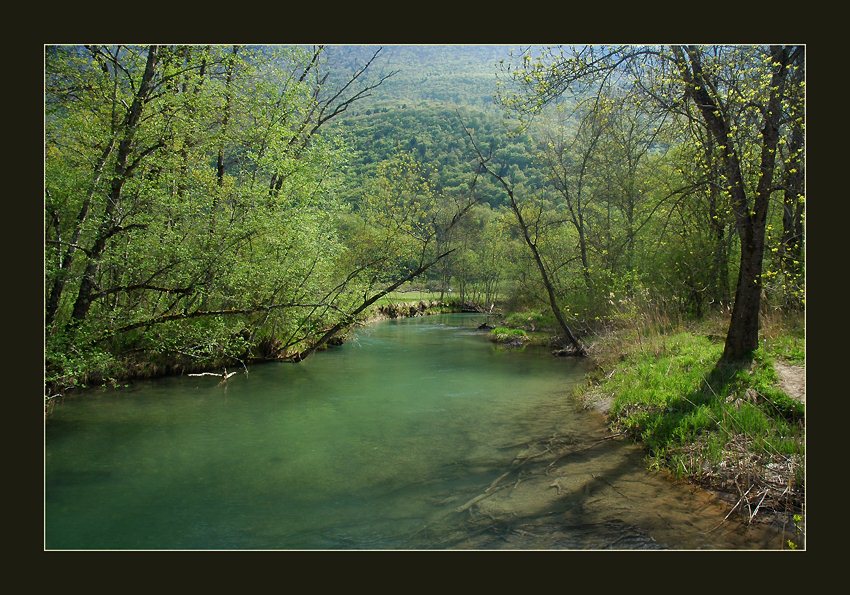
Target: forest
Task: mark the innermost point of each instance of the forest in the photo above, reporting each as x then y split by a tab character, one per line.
205	203
215	205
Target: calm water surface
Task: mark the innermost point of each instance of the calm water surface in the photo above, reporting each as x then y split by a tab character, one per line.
374	445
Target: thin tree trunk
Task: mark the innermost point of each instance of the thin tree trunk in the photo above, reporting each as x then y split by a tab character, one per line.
228	100
582	242
544	275
791	247
720	263
108	227
61	279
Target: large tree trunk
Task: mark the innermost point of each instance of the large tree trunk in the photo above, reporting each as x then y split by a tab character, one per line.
742	338
751	219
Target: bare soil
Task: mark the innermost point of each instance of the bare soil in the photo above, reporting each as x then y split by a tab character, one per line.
792	379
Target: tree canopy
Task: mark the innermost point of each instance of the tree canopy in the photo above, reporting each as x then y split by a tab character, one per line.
206	203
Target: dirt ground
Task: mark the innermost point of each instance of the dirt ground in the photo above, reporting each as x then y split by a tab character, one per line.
792	380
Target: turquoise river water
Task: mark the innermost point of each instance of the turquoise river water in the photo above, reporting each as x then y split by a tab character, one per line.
376	444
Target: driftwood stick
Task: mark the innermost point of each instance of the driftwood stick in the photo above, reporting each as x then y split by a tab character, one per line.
737	503
244	366
224	376
477	499
752	516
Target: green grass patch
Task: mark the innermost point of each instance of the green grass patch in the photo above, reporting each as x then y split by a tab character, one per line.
789	348
697	419
530	320
503	334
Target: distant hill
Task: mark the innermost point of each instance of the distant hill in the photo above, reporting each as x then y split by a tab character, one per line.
453	74
420	110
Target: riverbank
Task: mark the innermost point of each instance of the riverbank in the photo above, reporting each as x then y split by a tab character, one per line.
738	432
148	366
409	309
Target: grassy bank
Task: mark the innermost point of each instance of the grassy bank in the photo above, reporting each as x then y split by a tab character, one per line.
739	430
736	430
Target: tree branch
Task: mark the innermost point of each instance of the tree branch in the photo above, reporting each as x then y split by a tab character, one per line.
346	321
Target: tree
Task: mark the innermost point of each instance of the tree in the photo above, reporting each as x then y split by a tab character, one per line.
394	241
569	154
728	102
793	200
737	93
157	216
545	275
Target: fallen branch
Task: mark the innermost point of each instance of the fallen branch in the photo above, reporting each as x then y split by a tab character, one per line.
488	492
224	376
350	317
738	502
755	512
477	499
496	481
613	487
591	445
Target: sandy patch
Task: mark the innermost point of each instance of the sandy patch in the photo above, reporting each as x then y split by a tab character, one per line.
792	380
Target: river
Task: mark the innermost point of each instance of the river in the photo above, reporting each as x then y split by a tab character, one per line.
390	441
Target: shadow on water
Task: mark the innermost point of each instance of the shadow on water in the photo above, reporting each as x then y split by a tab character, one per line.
596	495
